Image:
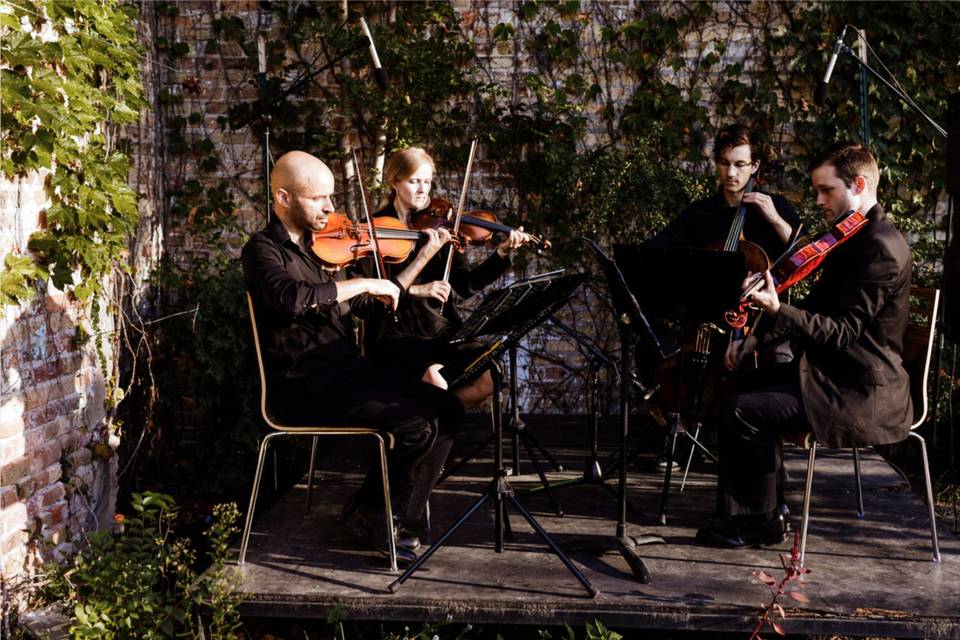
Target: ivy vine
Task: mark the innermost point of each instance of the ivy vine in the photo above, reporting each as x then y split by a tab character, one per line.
70	79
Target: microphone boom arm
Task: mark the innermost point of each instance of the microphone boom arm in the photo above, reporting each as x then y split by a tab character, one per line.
900	94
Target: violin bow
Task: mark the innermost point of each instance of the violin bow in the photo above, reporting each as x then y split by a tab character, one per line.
460	205
378	265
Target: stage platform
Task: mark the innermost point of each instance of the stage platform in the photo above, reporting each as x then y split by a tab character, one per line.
870	577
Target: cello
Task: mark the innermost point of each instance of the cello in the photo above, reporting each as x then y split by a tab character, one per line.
704	387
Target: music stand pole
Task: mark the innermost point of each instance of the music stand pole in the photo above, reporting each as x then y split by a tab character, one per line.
519	432
627	544
499	490
593	472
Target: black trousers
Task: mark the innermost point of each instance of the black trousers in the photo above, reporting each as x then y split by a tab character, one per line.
422	418
767	407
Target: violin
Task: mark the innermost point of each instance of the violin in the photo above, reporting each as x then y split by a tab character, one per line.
343	241
800	260
476	227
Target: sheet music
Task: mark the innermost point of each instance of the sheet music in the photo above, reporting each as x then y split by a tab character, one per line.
540	300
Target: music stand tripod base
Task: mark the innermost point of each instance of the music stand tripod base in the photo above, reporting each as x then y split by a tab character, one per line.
500	491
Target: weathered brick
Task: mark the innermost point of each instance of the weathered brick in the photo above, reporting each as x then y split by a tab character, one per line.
11	448
14	518
8	495
11	427
14	470
26	488
81	456
51	494
46	455
55	533
54	514
12	541
46	371
51	474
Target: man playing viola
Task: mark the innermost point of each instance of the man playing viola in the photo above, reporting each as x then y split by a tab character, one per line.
847	384
313	366
738	154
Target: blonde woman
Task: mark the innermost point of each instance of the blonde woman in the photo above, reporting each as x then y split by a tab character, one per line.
427	313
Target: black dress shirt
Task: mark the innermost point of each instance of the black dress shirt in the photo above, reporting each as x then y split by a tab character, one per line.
707	221
303	330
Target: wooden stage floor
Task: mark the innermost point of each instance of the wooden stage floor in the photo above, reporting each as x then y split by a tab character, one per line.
870	577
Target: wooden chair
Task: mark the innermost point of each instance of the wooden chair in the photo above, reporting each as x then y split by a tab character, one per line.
384	440
917	350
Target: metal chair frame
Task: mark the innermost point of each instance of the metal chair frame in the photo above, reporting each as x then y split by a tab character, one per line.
926	331
384	441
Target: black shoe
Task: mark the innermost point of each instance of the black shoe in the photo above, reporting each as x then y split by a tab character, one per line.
785	514
371	525
405	539
744	532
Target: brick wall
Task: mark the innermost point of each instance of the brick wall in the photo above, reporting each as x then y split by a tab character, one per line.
58	468
57	471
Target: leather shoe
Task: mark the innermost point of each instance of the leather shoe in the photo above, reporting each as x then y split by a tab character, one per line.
370	525
404	539
744	532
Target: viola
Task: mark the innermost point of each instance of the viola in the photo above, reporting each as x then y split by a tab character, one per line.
343	241
476	227
799	261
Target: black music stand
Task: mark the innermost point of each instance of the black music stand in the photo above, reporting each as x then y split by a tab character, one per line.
529	307
488	319
716	276
634	328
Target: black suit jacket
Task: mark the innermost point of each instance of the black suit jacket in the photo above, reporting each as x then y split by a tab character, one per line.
849	331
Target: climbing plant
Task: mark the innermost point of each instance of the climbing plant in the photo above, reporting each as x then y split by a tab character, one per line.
70	79
594	118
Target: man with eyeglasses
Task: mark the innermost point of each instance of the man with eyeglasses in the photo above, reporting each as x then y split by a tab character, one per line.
738	154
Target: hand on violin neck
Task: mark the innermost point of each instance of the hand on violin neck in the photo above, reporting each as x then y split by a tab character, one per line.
436	239
764	296
514	240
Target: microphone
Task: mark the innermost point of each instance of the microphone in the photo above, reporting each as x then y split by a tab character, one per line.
821	94
378	73
261	62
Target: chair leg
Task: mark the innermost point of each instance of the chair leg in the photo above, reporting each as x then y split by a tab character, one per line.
276	472
313	464
805	522
686	468
929	487
387	506
856	473
253	496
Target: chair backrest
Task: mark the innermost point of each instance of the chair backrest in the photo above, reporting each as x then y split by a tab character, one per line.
263	373
918	347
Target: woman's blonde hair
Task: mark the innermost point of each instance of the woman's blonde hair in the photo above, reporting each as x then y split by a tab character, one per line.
403	164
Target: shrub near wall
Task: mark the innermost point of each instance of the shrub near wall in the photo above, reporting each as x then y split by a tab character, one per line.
69	79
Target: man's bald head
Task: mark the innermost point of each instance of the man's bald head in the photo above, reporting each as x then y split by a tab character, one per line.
302	188
296	170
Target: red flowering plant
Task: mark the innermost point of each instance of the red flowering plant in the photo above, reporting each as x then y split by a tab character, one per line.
774	614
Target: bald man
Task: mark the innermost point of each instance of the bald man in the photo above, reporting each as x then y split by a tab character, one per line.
314	369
